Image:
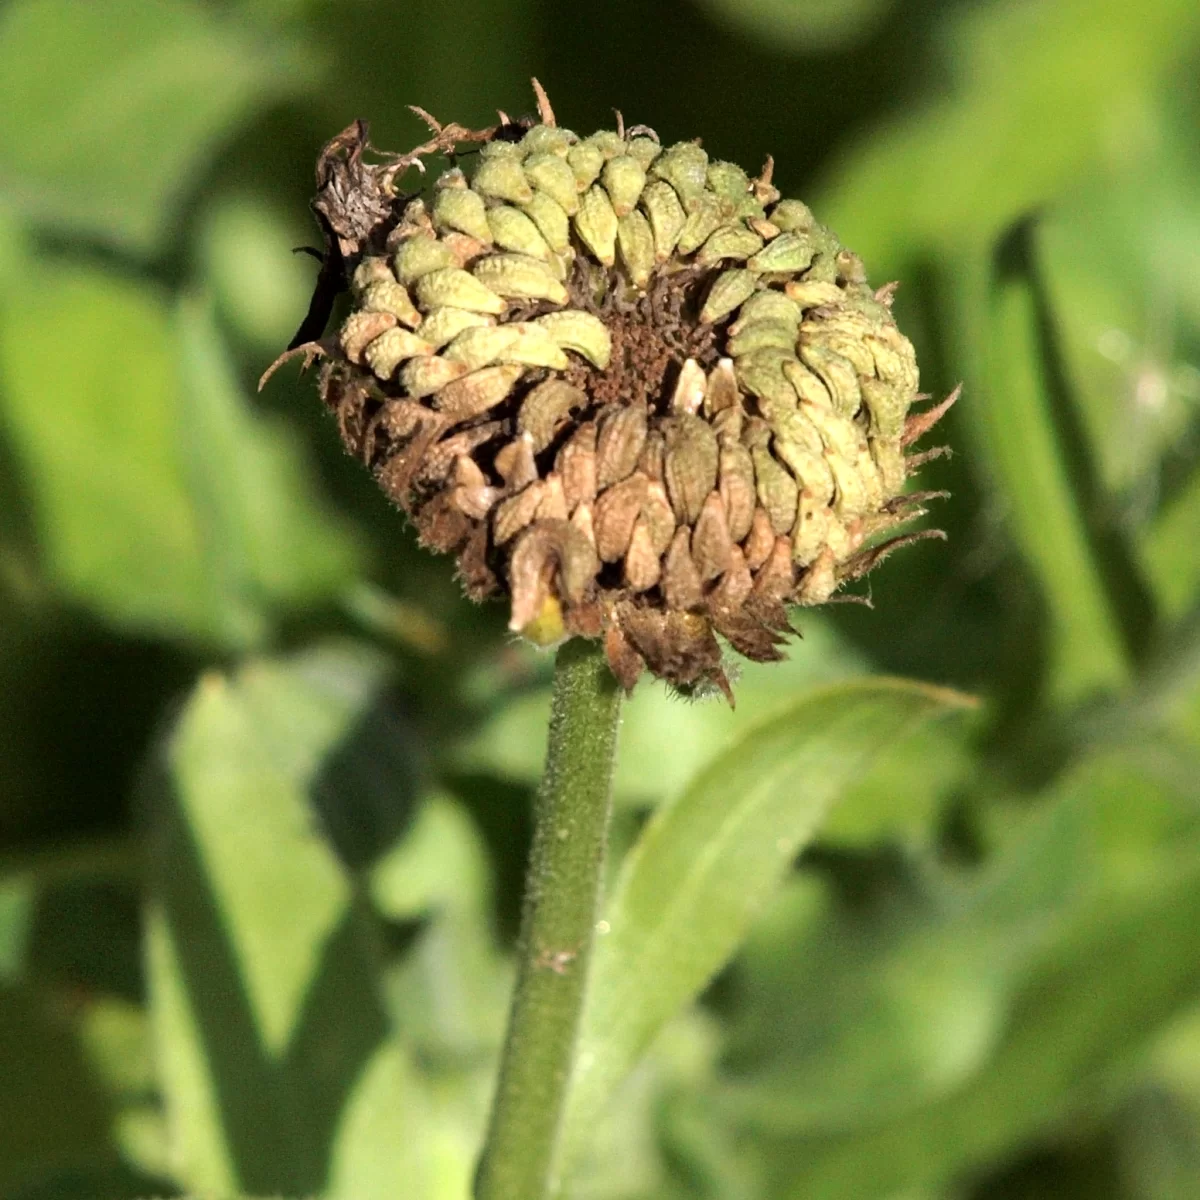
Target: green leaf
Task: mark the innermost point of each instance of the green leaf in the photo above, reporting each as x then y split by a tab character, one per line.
1080	939
665	739
707	863
264	976
960	169
268	541
161	501
54	1118
124	104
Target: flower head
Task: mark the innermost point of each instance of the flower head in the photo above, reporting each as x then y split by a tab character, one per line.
630	387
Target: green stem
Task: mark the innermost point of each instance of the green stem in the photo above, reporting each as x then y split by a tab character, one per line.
562	898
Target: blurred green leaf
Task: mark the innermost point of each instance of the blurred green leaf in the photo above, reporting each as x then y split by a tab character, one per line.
665	739
169	507
264	967
268	541
54	1118
259	285
16	906
801	26
123	102
958	170
706	864
1087	924
1001	341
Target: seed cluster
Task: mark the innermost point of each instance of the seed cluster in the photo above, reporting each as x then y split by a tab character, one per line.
631	387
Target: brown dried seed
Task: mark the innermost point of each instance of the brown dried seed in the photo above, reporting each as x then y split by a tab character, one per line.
659	516
690	467
710	539
642	564
515	464
361	329
615	512
545	408
689	388
581	519
735	482
623	660
721	392
442	525
682	586
619	441
760	541
478	392
654	452
478	580
443	457
819	582
735	585
548	551
775	579
517	512
554	504
575	464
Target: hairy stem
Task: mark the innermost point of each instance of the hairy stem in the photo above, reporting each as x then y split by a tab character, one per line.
562	896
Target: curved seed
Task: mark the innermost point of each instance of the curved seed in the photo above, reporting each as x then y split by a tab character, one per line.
811	531
360	329
660	202
545	408
546	139
792	214
729	241
534	347
573	329
585	161
729	290
614	514
768	305
704	218
787	252
387	296
459	289
636	242
392	348
643	567
837	374
619	441
813	293
728	179
462	209
596	224
520	276
735	482
371	270
551	219
502	178
480	346
607	142
552	174
682	588
684	166
513	230
644	149
623	178
690	466
424	376
443	325
711	543
477	392
777	490
762	335
417	256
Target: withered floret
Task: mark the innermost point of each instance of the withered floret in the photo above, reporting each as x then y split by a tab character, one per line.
631	388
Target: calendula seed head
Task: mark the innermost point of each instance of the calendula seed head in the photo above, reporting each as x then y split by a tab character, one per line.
630	387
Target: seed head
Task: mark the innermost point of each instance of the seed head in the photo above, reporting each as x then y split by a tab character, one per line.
631	388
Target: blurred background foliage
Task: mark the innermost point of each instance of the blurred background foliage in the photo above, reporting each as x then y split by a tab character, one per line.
265	776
